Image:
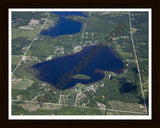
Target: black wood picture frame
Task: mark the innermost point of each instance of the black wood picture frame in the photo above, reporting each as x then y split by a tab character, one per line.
153	4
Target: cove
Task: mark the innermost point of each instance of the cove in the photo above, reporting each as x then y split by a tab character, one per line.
91	61
64	25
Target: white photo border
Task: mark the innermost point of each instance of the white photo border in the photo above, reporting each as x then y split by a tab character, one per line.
79	117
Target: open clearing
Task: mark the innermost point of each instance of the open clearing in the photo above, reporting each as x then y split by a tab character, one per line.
25	32
35	106
21	83
16	59
126	106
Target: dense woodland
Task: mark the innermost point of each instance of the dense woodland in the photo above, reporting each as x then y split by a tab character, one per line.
18	44
23	18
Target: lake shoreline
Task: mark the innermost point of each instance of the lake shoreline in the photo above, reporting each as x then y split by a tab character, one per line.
97	75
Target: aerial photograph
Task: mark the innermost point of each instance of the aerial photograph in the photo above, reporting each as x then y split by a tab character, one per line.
79	63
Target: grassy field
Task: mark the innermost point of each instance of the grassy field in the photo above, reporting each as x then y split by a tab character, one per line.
21	83
118	105
16	59
68	110
121	113
35	106
25	33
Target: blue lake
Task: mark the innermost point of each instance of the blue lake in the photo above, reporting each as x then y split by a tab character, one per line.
91	61
64	25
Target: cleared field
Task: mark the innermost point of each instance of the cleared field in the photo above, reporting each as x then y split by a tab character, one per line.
115	14
25	32
68	110
16	59
35	106
118	105
121	113
21	83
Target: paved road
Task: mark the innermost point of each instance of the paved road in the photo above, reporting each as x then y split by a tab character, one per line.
80	106
134	49
31	44
83	32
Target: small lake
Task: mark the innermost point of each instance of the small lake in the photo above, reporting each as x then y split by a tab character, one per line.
91	61
64	25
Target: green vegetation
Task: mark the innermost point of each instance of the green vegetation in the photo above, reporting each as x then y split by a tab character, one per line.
122	113
23	18
68	110
23	69
30	23
16	59
27	94
51	22
126	106
30	34
65	110
47	45
81	76
21	83
141	39
18	110
18	44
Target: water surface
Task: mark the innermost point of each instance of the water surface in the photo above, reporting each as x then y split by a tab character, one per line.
91	61
64	25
